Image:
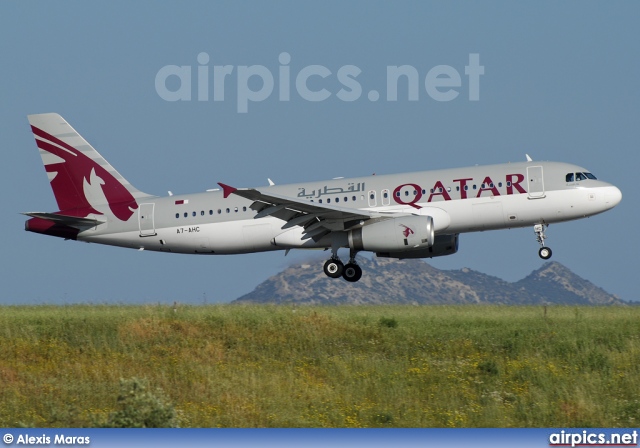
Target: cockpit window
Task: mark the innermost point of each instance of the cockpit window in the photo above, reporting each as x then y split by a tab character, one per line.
579	176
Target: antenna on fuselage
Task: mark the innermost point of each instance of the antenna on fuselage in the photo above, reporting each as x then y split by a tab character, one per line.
529	159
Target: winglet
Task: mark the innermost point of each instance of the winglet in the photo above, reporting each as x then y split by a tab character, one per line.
227	190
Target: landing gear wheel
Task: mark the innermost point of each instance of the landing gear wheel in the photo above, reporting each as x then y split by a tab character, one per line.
545	253
352	272
333	268
538	229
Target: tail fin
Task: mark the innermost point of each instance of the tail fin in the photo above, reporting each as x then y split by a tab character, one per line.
83	182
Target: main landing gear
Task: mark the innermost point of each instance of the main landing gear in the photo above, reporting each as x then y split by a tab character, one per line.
351	272
544	252
333	267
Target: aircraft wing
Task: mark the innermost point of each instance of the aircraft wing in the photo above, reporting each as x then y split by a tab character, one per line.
317	219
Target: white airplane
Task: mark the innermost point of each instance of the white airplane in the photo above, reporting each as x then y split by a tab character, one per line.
409	215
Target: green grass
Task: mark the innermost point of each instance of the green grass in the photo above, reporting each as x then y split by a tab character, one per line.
364	366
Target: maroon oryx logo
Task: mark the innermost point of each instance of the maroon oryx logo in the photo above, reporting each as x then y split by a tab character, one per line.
407	231
73	172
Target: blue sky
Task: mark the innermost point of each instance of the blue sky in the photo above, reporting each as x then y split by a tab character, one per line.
561	82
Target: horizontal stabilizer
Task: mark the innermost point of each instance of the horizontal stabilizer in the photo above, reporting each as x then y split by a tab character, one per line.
69	221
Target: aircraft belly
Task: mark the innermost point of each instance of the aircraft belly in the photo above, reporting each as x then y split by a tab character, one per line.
554	207
237	237
473	215
257	236
488	215
121	239
233	237
460	216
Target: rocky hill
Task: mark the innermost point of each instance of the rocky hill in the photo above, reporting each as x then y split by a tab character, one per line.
387	281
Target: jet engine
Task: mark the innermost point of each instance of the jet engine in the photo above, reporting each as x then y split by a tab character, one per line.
394	234
443	245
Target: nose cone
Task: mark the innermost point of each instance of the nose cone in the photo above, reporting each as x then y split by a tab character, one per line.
612	196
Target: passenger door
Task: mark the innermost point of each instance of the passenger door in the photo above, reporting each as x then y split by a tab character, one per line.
535	182
145	220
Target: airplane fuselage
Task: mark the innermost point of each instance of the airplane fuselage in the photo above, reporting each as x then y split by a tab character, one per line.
465	199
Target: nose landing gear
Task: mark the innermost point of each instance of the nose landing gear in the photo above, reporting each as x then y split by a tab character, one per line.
544	252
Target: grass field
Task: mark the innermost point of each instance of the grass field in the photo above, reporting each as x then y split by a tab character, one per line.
365	366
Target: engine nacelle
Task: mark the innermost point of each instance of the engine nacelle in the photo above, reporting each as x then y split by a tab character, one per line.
443	245
394	234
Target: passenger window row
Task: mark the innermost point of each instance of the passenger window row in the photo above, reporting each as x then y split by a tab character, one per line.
220	211
337	199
